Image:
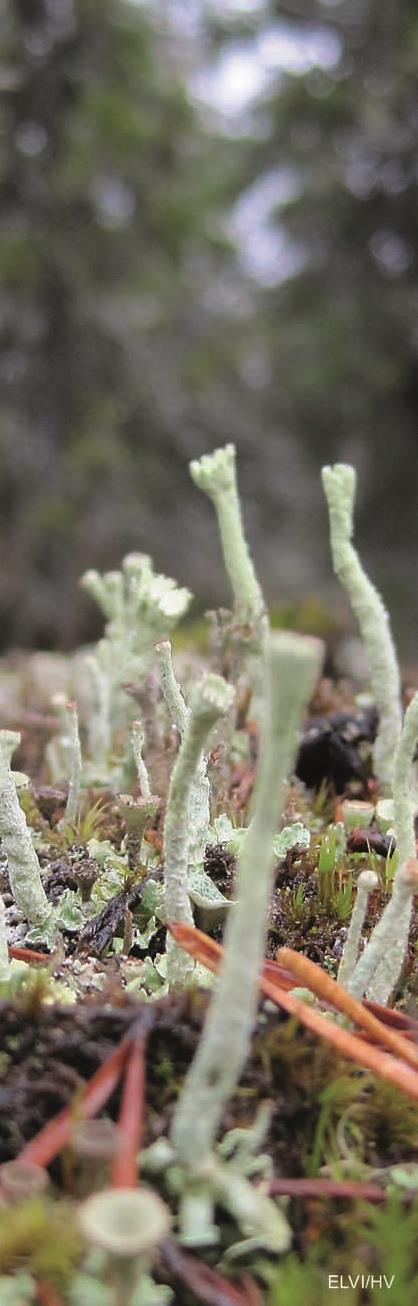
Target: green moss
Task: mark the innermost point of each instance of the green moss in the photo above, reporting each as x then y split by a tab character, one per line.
363	1242
41	1236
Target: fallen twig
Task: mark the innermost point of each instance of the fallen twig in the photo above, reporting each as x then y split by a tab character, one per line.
99	932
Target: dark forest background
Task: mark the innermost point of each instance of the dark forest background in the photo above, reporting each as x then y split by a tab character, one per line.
175	273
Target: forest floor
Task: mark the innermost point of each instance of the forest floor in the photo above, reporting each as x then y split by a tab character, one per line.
339	1147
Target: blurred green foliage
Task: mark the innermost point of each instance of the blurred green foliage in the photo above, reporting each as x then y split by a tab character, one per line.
340	334
132	336
104	204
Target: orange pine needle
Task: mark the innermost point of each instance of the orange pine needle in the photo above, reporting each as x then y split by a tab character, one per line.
46	1294
349	1045
399	1019
125	1165
57	1133
342	1188
327	988
204	949
198	945
27	954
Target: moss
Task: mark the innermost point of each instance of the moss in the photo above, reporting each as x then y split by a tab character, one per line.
40	1235
363	1242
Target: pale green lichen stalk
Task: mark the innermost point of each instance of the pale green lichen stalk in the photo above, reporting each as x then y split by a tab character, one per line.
379	966
210	700
176	706
292	664
99	728
367	881
378	970
215	473
23	865
339	484
404	800
73	747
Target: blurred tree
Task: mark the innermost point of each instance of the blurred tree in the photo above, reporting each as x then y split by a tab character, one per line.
106	193
130	338
337	129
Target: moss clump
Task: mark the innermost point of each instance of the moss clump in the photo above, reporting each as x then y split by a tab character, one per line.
40	1235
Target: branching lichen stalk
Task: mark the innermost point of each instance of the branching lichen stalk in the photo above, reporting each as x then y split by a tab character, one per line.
215	473
339	484
210	700
179	713
24	872
292	664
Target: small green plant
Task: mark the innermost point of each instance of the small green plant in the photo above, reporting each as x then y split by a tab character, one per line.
342	900
91	822
296	905
331	847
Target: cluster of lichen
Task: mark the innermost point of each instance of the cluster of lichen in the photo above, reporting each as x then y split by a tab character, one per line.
141	610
